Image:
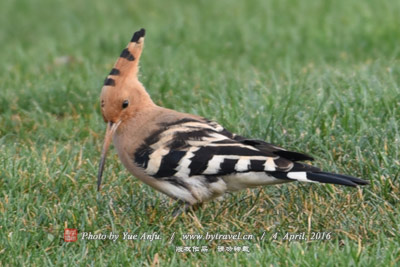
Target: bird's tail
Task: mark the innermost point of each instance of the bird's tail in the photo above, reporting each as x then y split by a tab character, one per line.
307	173
334	178
326	178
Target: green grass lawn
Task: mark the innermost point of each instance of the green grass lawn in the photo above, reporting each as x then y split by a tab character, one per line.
320	77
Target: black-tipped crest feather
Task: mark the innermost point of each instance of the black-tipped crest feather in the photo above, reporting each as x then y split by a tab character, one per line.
137	35
127	55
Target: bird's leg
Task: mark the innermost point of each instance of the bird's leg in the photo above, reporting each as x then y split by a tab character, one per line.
183	207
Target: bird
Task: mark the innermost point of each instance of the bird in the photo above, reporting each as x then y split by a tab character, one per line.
188	157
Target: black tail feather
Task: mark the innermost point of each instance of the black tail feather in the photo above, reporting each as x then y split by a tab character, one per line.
333	178
355	180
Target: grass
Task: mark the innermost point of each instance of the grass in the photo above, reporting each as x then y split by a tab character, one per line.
314	76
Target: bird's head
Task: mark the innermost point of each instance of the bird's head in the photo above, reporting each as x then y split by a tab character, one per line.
123	96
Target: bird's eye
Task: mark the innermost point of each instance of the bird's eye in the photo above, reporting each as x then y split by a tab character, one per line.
125	104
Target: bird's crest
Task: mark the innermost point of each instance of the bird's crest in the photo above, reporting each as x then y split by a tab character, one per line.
127	65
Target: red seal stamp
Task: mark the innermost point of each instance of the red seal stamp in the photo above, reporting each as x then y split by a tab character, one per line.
70	235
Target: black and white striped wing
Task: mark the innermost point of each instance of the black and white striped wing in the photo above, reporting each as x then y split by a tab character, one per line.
192	147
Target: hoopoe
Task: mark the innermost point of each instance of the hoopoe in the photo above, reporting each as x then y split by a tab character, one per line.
188	157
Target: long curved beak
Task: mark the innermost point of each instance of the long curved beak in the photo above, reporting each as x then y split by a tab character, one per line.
111	127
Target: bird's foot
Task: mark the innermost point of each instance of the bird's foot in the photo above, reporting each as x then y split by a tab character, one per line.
184	207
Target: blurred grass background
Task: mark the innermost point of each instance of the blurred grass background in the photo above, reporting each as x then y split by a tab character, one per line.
315	76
